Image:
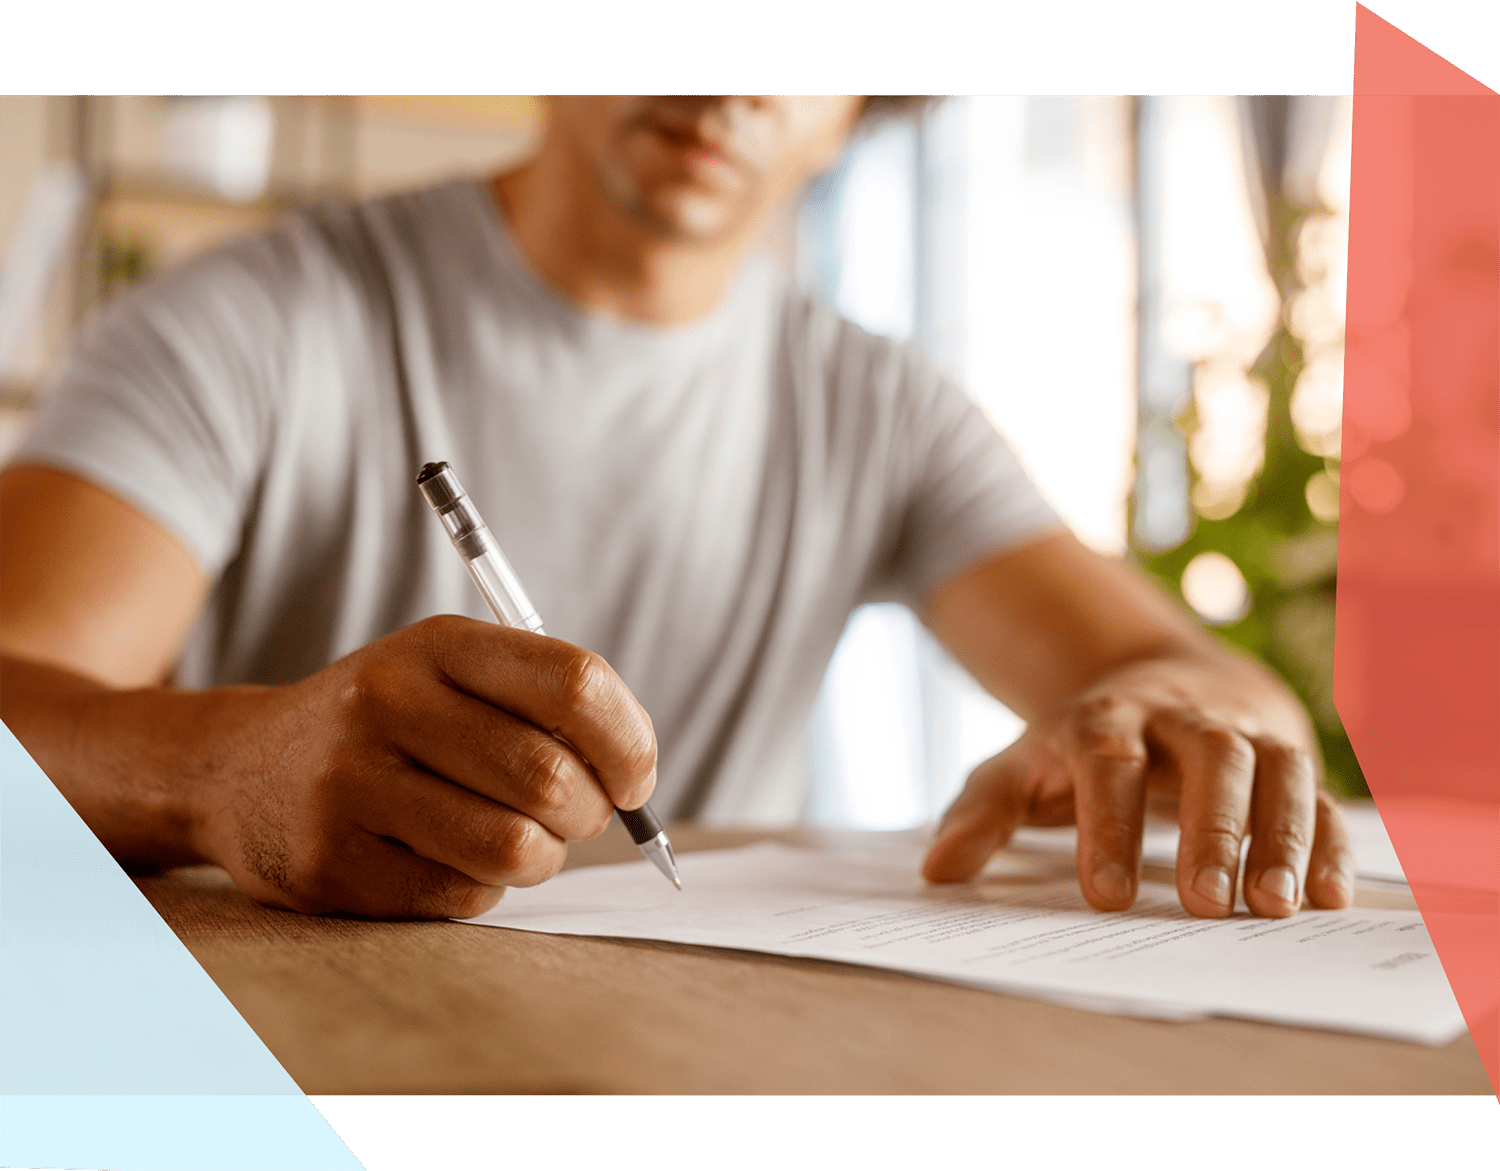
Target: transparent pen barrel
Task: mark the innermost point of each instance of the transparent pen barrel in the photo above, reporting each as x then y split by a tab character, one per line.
471	537
502	590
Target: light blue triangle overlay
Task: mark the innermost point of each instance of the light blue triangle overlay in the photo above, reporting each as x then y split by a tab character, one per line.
98	997
169	1132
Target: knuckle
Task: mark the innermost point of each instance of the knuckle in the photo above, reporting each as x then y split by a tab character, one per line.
545	777
516	848
370	694
427	639
1100	707
1218	837
1110	744
485	856
1226	748
1097	731
439	630
580	677
356	696
1285	758
1285	838
1114	829
1277	751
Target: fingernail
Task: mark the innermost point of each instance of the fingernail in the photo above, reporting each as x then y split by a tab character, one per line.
1112	882
1281	882
1214	884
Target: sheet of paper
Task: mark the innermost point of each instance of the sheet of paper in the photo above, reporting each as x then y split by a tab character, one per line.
1375	858
1357	970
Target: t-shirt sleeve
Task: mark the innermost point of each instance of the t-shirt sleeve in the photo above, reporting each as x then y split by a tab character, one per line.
166	400
955	491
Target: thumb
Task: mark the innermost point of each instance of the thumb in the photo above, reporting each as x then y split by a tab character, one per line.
980	820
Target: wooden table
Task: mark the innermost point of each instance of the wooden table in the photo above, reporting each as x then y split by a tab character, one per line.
351	1007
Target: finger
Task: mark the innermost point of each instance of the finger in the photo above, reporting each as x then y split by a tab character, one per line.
558	687
491	843
1330	871
496	755
1107	754
384	880
1217	769
980	820
1282	817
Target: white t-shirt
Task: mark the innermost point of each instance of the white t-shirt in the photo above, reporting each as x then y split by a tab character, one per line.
703	505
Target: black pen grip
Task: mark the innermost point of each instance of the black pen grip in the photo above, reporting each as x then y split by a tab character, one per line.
641	823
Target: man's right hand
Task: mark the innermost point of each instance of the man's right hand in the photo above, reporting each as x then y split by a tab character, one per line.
424	773
418	776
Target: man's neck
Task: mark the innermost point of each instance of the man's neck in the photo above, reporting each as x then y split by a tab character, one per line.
601	258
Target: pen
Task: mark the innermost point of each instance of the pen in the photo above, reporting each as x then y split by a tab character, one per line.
508	602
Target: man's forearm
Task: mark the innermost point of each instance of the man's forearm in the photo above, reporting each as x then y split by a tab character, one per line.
135	764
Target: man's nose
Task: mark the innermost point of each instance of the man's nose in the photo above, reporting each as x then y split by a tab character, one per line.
715	111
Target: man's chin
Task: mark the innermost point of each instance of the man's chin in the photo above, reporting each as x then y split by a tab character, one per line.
679	211
689	218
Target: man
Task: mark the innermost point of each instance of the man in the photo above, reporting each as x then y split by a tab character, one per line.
697	473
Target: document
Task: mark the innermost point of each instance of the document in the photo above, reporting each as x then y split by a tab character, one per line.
1034	935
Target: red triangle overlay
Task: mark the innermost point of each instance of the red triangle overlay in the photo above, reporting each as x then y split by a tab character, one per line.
1417	662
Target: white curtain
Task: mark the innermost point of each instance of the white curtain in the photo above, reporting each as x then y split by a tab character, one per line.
997	236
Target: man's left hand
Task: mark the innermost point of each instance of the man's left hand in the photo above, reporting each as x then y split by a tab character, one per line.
1162	728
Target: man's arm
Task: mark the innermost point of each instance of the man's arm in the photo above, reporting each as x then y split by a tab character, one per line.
418	776
90	584
94	598
1126	697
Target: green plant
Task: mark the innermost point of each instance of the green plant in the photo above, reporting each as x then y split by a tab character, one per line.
1286	554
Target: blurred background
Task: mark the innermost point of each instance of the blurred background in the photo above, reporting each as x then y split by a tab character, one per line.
1145	294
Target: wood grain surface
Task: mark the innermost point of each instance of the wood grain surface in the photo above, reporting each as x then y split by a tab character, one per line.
351	1006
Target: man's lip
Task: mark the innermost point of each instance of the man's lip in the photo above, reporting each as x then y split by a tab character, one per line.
705	153
697	147
687	136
